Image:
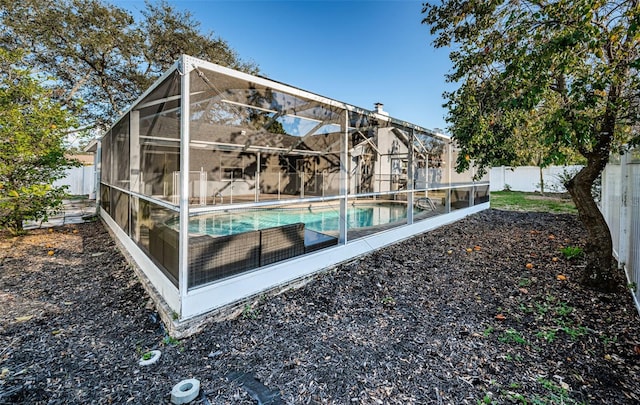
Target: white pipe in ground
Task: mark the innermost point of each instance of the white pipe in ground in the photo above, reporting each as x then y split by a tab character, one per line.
185	391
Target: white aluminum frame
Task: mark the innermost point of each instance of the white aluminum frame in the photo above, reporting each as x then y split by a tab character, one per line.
206	298
198	300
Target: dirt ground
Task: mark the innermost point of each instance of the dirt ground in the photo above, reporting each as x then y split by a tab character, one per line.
453	316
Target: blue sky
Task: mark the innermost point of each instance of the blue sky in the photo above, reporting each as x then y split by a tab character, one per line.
358	52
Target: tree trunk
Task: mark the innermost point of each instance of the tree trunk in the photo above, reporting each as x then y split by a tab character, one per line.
541	180
599	272
15	226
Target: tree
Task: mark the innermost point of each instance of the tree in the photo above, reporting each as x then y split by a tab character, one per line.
99	54
32	130
574	64
531	150
170	33
88	49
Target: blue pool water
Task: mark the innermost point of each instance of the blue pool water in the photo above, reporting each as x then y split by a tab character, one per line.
320	219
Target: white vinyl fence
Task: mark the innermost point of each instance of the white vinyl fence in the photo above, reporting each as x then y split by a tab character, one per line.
527	178
620	205
81	181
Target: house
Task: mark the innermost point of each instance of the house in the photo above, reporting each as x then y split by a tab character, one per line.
223	185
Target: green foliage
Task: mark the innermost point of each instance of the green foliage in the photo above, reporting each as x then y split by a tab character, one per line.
168	340
512	336
170	33
517	358
606	340
485	400
516	397
553	79
388	302
574	332
541	309
32	130
524	282
556	394
571	252
88	49
565	177
552	393
248	312
563	310
99	53
548	335
542	78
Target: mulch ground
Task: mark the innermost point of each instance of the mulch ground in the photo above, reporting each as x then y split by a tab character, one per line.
423	321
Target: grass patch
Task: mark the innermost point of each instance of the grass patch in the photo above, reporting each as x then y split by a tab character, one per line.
76	197
571	252
512	336
521	201
248	312
556	394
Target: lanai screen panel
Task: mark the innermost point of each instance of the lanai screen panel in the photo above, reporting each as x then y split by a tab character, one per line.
115	153
379	159
432	161
430	175
105	173
105	164
120	153
401	149
115	172
120	173
252	143
363	152
157	119
157	233
154	160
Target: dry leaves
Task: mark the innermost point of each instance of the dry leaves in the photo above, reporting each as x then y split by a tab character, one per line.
460	325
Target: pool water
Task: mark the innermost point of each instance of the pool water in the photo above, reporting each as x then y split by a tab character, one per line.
320	219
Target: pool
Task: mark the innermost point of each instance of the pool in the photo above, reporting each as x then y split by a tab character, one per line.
323	219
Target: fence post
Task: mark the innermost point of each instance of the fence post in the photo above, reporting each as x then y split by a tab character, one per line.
97	175
623	248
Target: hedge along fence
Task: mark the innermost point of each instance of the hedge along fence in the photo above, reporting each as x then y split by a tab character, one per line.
620	205
527	178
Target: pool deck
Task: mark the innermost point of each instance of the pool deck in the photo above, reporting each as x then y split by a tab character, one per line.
74	211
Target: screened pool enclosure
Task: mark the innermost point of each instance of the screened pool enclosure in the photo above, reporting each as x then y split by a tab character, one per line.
222	185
